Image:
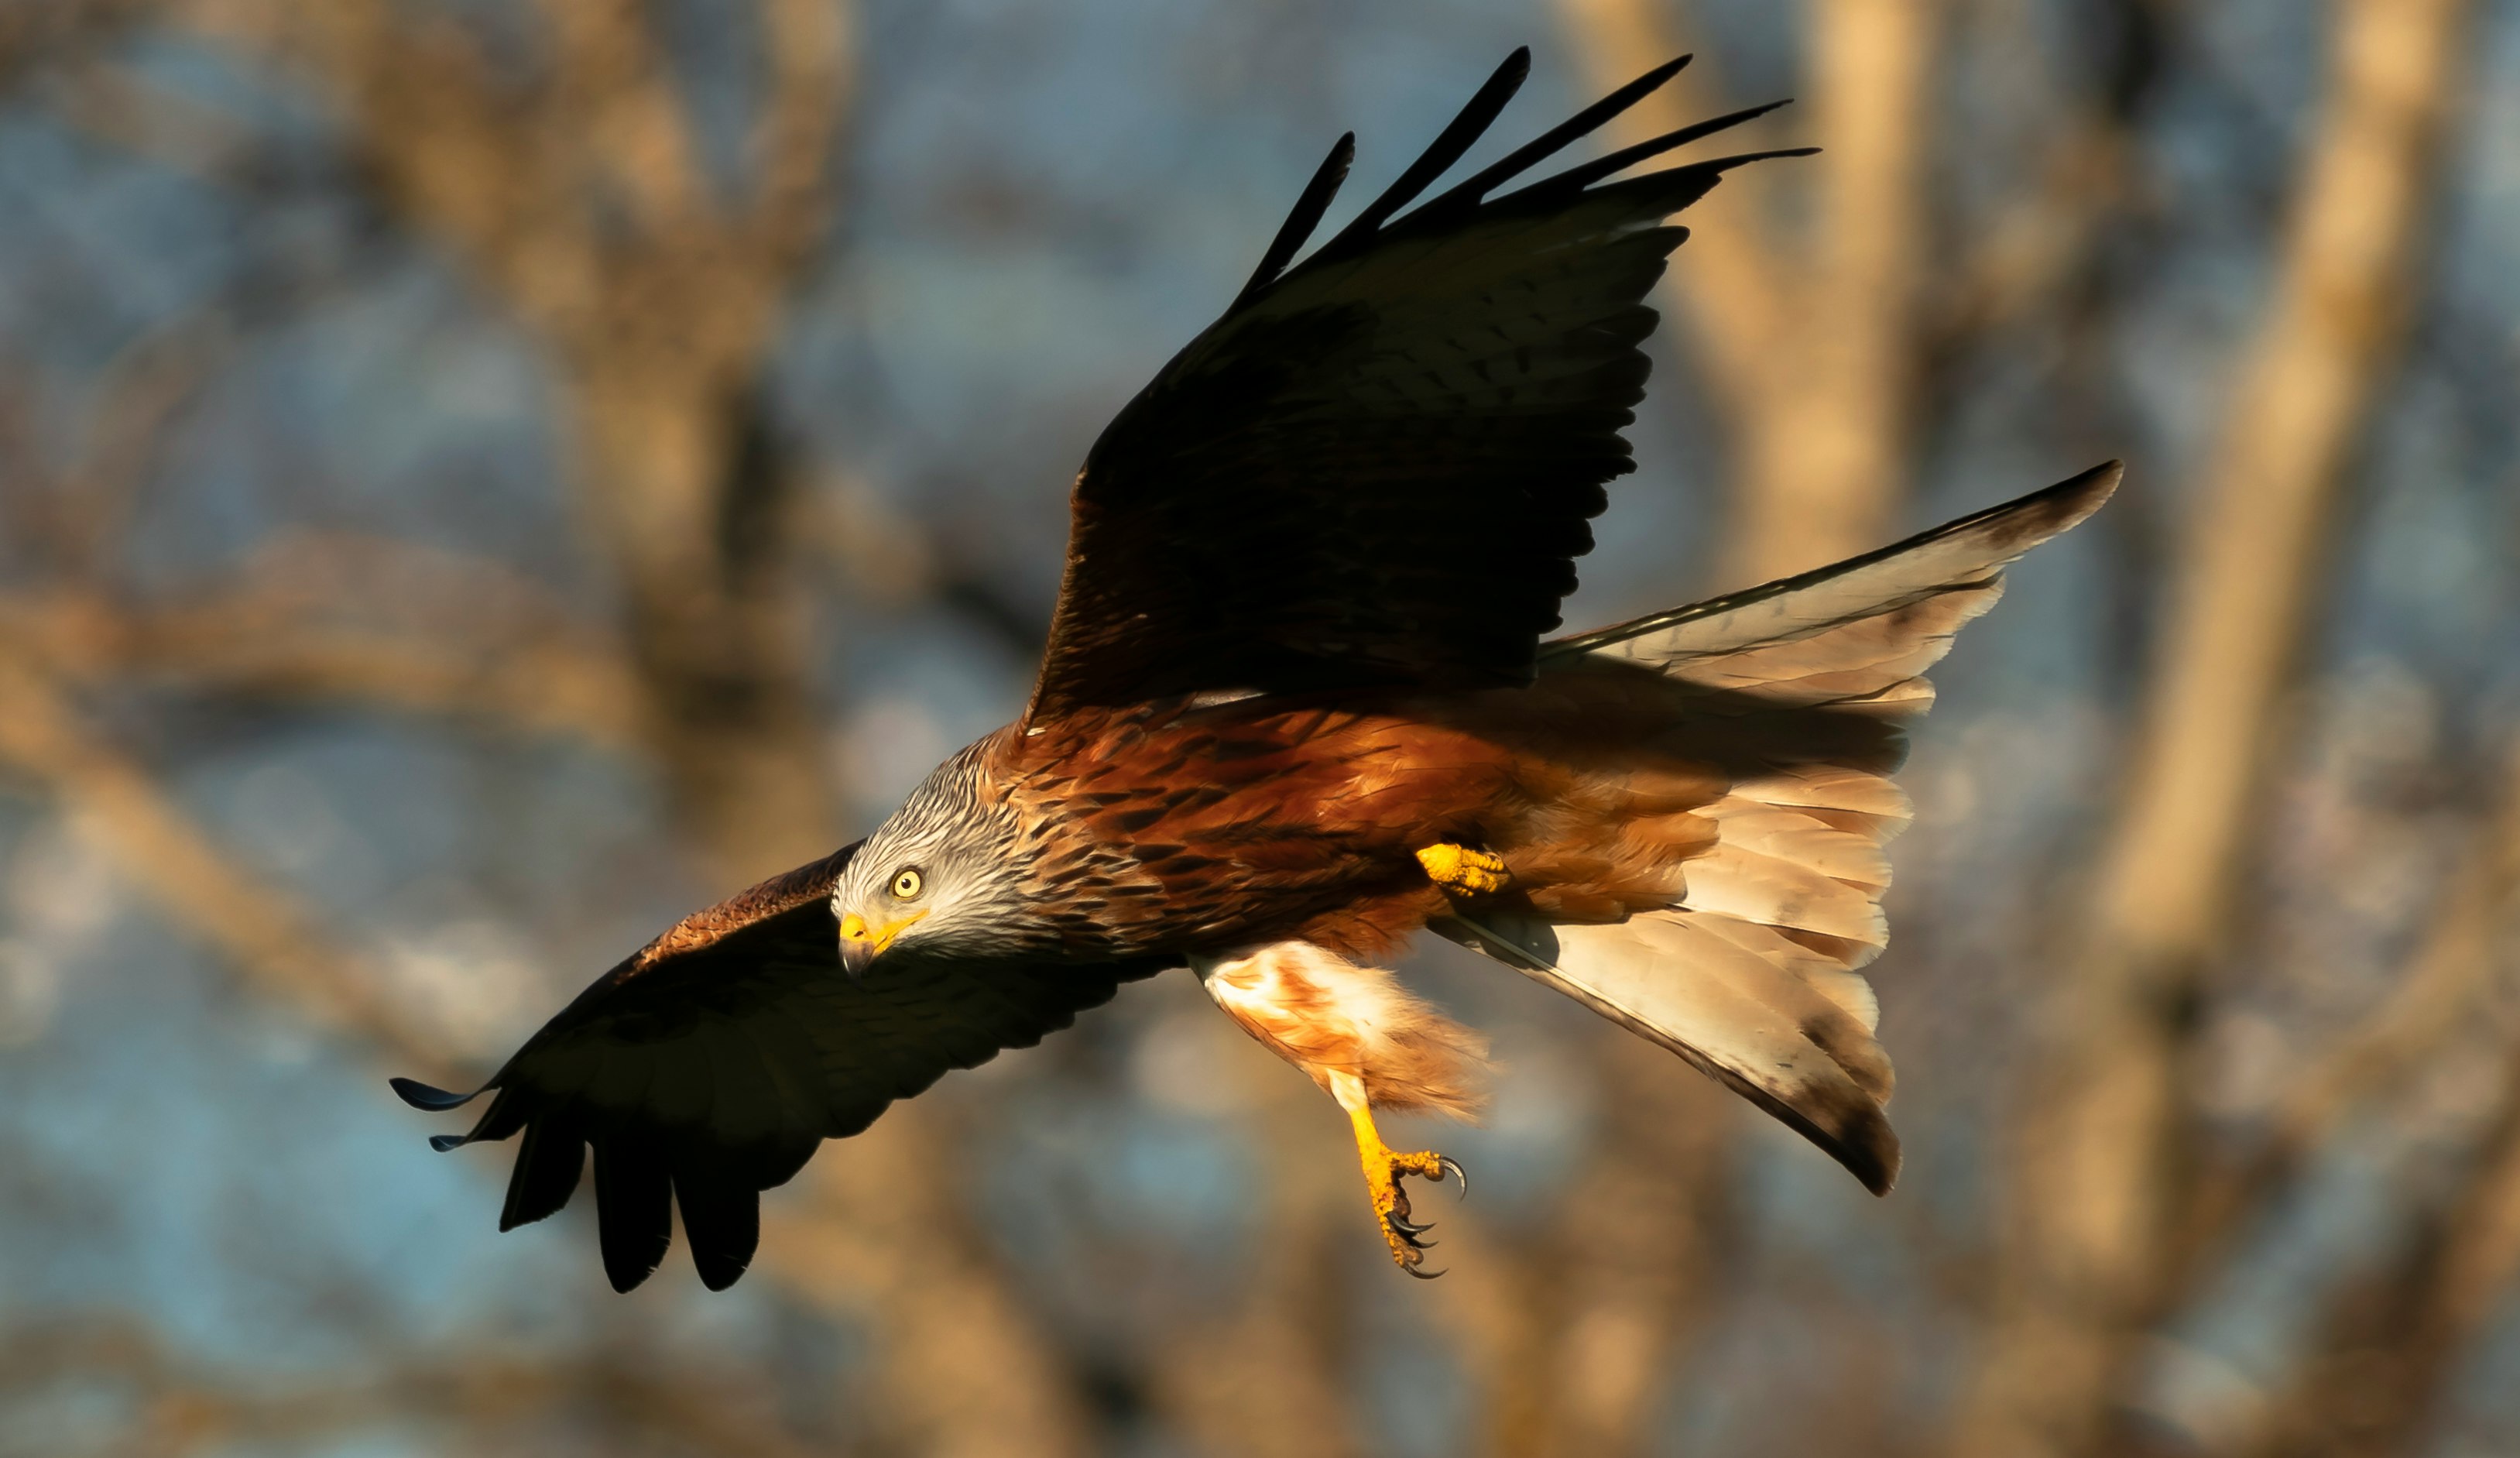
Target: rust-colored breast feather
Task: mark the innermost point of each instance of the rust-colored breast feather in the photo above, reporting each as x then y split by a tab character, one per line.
1253	822
1223	828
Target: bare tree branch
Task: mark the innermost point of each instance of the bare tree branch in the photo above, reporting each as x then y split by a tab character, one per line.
613	95
811	47
111	101
273	941
69	522
38	35
2037	244
248	646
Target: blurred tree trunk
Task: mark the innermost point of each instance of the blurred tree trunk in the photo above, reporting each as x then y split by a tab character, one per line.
689	495
2103	1158
1809	341
1827	446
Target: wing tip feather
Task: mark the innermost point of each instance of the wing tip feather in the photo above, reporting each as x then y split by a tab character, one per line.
428	1097
2005	531
1305	216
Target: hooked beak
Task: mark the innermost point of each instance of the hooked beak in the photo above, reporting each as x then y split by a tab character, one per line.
861	944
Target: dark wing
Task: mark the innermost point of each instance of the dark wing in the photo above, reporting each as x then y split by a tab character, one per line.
705	1068
1378	468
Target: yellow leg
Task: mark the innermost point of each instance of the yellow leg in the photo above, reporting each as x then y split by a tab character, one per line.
1464	869
1384	1167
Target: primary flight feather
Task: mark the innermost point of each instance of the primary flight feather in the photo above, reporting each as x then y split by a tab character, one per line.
1296	707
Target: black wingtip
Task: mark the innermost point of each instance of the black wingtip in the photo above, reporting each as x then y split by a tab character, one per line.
1305	216
2045	513
721	1219
720	1268
1554	140
444	1142
1863	1143
634	1210
546	1173
1876	1161
420	1095
1457	138
1577	178
1453	142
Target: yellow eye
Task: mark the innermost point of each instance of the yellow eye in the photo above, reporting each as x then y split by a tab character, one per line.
907	884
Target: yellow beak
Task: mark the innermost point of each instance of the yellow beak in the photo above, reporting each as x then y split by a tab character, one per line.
859	943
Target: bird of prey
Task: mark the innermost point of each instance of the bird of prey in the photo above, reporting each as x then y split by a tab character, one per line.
1297	705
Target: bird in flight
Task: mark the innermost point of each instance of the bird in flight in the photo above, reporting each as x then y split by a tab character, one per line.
1297	705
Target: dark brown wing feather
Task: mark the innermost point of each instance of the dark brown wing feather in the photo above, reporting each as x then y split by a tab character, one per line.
708	1067
1378	468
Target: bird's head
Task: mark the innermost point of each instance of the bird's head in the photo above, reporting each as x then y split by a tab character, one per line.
936	877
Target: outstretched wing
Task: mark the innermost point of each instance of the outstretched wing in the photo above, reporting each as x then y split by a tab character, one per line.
1799	694
707	1067
1378	468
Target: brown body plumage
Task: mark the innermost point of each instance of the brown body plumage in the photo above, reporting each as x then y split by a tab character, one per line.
1263	821
1296	707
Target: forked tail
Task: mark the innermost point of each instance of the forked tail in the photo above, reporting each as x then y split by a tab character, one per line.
1751	974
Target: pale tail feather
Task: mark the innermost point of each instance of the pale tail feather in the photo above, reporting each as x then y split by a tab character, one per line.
1781	1026
1858	628
1752	976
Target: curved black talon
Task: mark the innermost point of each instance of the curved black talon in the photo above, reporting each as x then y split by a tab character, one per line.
1408	1236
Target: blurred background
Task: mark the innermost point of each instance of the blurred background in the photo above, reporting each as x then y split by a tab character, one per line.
481	478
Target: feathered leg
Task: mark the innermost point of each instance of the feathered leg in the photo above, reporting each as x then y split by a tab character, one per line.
1368	1042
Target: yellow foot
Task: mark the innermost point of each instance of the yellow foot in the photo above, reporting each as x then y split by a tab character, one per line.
1462	870
1407	1238
1384	1168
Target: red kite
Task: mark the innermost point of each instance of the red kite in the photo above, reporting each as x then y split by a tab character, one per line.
1296	705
